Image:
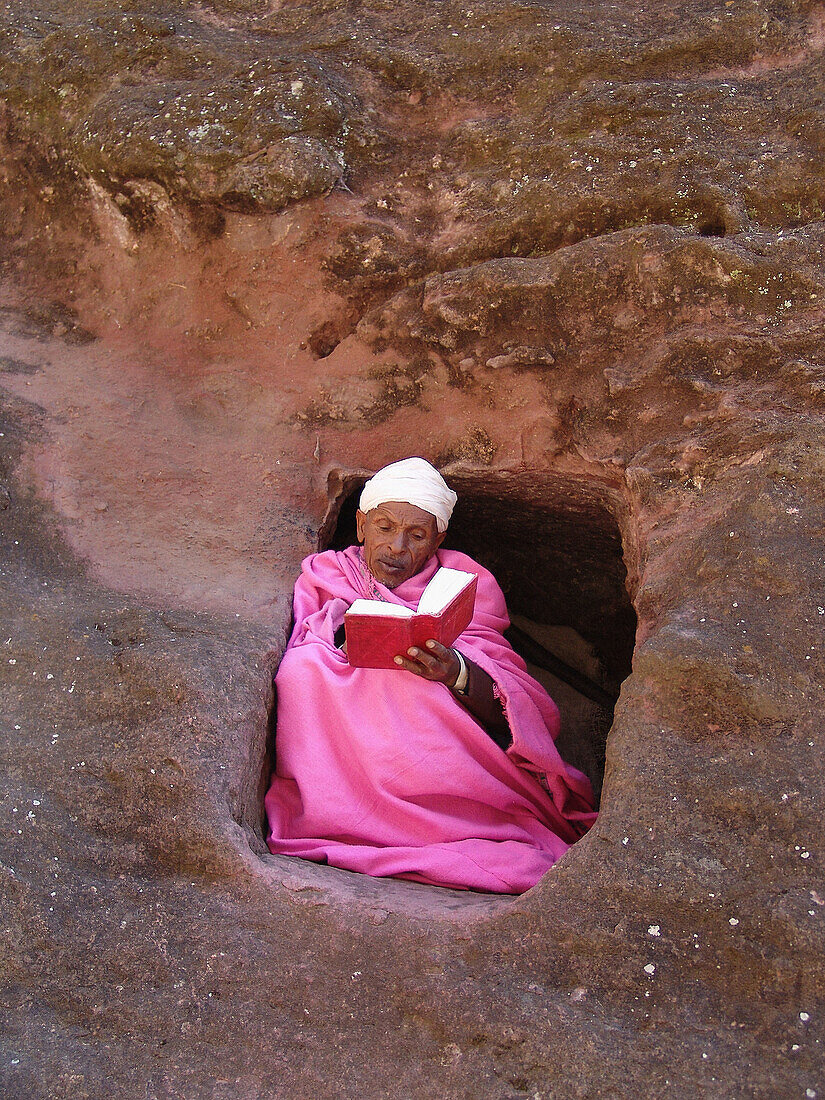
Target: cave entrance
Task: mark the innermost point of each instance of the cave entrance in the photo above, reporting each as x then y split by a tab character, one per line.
555	547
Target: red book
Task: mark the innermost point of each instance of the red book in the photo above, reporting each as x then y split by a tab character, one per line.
377	631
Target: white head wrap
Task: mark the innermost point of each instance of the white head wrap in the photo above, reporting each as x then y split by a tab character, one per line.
413	481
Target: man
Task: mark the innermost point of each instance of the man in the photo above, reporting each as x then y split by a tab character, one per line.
443	770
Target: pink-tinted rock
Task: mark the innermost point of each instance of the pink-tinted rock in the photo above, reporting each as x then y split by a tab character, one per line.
577	257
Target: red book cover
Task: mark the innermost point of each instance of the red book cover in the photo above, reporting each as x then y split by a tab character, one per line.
374	637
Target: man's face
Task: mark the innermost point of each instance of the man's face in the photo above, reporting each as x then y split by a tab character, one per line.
398	539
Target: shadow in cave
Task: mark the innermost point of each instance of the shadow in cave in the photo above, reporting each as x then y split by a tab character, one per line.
555	548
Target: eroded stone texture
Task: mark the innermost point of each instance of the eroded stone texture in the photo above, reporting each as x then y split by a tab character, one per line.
575	253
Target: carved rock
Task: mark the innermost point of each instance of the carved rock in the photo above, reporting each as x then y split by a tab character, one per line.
577	257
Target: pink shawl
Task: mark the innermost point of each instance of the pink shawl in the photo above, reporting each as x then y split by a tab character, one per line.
383	772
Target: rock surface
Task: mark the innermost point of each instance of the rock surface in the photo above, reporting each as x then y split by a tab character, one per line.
250	249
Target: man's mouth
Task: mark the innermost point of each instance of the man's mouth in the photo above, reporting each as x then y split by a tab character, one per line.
392	566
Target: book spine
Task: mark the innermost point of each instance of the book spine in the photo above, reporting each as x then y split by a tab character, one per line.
425	627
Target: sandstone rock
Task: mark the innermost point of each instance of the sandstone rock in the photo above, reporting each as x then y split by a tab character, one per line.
574	254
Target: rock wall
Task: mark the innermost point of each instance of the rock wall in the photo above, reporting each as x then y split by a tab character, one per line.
250	248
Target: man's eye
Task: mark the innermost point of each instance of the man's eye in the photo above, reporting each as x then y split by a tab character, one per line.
383	526
419	536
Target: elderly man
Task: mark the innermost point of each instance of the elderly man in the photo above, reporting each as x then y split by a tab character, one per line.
442	770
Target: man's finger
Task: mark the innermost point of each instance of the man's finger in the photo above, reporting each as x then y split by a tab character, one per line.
421	663
407	663
411	664
424	658
440	651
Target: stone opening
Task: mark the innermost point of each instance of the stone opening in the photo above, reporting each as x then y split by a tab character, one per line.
555	546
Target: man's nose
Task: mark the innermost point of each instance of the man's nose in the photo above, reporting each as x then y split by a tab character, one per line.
398	542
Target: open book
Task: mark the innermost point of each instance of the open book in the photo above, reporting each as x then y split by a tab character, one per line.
377	631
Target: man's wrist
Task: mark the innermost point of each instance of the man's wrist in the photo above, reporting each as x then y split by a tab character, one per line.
463	678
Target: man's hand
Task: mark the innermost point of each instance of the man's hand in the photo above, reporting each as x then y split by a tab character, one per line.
434	662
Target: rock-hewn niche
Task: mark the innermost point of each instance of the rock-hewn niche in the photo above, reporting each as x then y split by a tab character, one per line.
555	546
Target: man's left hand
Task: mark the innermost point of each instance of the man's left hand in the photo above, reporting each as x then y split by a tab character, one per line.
433	662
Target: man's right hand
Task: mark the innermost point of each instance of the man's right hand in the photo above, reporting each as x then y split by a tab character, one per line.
433	662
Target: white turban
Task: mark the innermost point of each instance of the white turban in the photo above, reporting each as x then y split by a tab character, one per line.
412	481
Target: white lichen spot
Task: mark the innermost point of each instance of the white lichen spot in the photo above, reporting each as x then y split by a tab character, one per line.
804	1017
650	968
654	930
733	922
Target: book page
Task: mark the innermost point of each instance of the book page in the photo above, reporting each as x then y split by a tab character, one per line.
442	589
378	607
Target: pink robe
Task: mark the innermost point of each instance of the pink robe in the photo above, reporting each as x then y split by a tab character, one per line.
383	772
